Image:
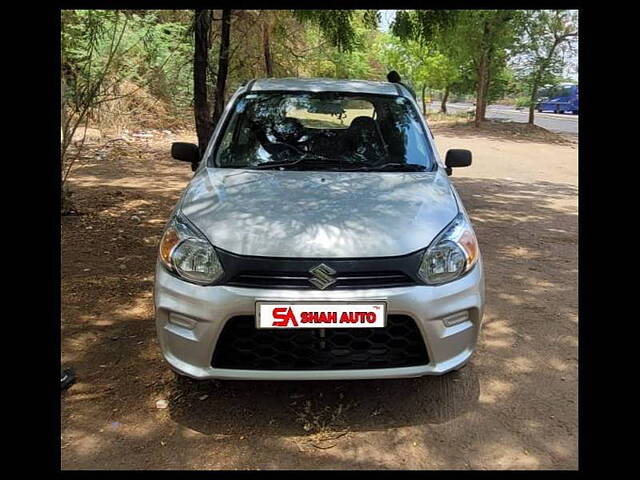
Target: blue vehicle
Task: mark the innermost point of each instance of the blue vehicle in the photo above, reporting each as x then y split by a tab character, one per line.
559	99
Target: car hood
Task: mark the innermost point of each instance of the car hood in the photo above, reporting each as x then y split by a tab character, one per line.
319	214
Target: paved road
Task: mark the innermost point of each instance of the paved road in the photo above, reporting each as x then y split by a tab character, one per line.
561	123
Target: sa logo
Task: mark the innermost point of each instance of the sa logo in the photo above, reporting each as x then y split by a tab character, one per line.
284	317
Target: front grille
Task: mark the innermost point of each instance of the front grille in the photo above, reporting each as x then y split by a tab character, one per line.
294	273
301	282
242	346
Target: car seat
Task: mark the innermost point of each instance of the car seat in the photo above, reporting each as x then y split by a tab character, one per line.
363	138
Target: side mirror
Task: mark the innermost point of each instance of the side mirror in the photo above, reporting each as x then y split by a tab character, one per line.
457	158
186	152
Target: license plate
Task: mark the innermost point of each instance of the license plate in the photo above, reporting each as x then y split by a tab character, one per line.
321	315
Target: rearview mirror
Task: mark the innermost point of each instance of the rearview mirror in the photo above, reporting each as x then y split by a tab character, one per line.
186	152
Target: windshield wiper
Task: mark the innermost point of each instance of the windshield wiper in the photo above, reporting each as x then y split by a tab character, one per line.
306	160
393	166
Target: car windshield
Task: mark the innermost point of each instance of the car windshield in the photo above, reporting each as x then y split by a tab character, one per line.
323	131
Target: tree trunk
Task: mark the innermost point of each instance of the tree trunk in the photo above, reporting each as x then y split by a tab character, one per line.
532	105
223	66
483	67
266	45
487	82
480	91
201	105
424	101
63	114
445	97
536	81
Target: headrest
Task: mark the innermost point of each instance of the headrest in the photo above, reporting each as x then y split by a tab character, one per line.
363	123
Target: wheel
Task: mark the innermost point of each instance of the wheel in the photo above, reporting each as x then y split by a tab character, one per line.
539	110
560	111
574	112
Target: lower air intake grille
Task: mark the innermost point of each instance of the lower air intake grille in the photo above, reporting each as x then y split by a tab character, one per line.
242	346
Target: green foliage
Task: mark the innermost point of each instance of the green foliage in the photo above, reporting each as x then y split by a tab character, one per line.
421	65
360	61
336	25
371	19
89	42
423	25
548	36
504	84
473	45
149	53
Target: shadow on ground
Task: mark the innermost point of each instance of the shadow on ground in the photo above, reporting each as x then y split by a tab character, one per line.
282	408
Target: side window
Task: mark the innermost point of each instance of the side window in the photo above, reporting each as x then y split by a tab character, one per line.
224	151
228	136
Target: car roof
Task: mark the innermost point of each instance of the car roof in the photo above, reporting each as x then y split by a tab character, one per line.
328	85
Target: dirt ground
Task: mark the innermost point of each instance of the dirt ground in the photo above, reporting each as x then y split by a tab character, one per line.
513	406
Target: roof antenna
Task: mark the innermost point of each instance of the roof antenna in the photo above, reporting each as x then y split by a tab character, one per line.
393	77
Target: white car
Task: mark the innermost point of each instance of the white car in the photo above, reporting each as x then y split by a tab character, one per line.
319	238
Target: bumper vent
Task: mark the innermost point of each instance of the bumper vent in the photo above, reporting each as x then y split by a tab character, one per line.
242	346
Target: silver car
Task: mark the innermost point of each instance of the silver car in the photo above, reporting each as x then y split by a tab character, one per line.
319	238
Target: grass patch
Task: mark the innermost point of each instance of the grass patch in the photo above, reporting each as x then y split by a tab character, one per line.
323	424
448	118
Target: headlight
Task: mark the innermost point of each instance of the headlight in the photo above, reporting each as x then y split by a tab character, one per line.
187	253
452	254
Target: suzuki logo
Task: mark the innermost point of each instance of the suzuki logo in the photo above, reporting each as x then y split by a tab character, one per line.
322	276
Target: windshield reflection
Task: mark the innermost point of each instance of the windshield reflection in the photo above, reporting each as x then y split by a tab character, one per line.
319	131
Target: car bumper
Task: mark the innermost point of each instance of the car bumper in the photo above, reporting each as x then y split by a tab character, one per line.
189	319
